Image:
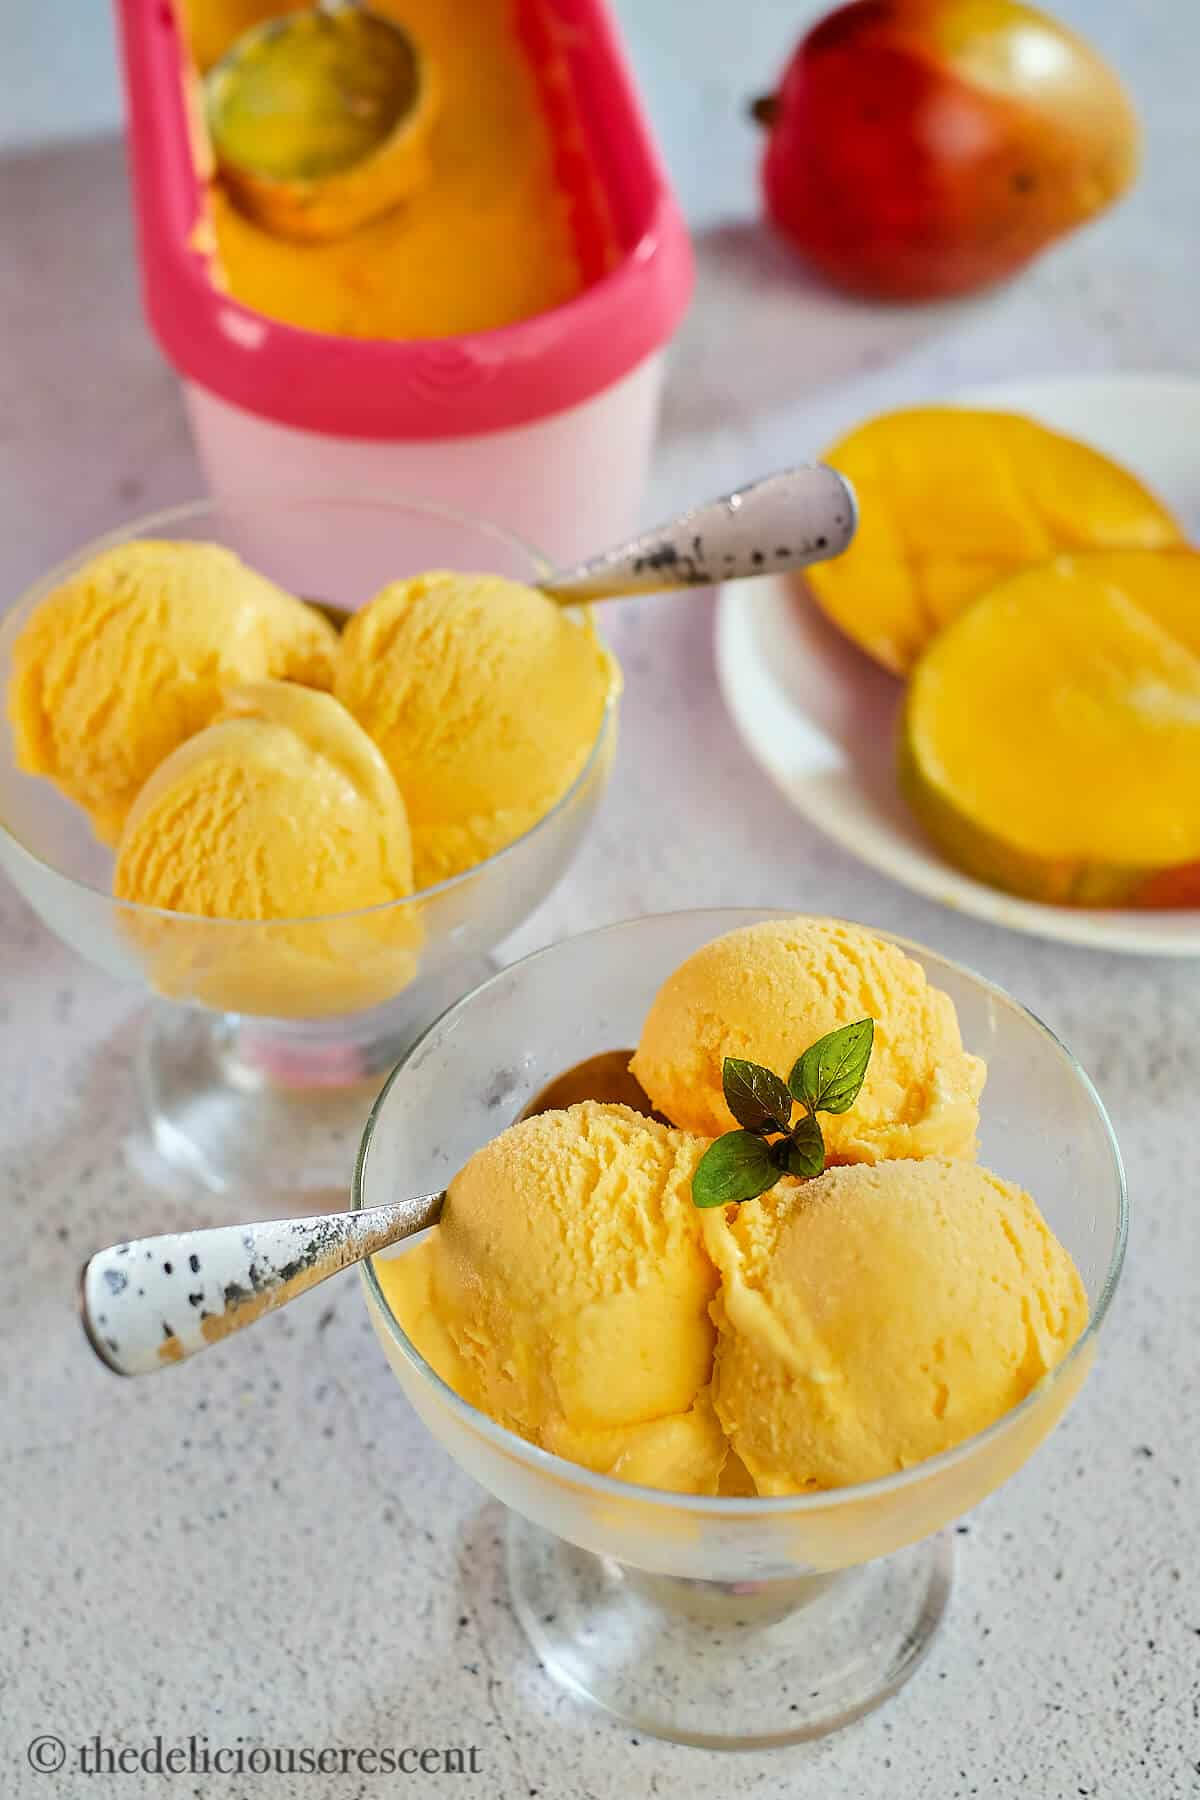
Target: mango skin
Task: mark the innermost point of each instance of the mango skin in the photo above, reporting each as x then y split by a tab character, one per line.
953	500
1053	881
925	148
1163	586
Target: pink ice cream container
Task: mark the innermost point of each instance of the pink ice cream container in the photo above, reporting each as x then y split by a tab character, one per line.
545	426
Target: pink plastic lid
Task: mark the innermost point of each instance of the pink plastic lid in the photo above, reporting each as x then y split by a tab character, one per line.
417	388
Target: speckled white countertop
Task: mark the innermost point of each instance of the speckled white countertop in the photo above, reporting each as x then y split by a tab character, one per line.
267	1543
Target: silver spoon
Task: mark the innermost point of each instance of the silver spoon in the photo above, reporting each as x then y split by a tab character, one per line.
785	521
154	1301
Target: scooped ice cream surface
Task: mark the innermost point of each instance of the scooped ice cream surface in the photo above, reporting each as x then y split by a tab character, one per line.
278	836
880	1315
281	809
766	992
565	1293
486	699
135	652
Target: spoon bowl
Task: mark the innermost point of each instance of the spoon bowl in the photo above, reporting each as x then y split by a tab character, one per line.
320	121
606	1077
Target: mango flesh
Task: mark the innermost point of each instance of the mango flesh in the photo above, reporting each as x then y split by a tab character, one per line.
953	500
1163	583
1050	741
922	148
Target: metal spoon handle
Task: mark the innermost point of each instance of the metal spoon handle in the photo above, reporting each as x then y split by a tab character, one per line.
154	1301
784	521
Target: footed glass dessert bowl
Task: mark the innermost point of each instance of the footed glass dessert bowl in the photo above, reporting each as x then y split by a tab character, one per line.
267	1039
728	1622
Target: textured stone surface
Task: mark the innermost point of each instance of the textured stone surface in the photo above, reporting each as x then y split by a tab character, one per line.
266	1543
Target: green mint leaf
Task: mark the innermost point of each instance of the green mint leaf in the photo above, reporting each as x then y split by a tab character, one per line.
831	1071
804	1149
756	1097
736	1167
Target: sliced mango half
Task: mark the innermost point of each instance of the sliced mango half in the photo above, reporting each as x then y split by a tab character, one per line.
952	500
1050	740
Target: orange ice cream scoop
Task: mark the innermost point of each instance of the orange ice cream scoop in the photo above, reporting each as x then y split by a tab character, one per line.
281	809
878	1316
134	653
768	991
565	1293
485	698
278	836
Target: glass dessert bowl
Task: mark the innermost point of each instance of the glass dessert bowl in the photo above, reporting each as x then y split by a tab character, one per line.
268	1038
719	1621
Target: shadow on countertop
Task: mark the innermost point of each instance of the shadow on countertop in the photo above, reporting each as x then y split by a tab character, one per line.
769	333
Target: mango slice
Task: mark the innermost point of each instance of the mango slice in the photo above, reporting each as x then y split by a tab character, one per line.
1050	740
1163	583
953	500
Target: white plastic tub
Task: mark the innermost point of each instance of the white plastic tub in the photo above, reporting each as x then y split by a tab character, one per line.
569	484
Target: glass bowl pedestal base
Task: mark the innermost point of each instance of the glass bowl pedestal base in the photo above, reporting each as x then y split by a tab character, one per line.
728	1665
266	1107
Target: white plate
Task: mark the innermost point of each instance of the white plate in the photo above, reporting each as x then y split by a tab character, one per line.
820	717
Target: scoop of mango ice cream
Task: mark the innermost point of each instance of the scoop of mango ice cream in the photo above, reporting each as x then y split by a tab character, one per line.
565	1293
134	653
880	1315
281	810
768	991
485	698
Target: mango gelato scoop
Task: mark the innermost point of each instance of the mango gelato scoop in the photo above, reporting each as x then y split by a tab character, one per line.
281	810
134	653
565	1293
486	700
879	1316
767	991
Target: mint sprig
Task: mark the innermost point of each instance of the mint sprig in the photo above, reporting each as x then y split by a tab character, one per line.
736	1167
829	1074
755	1096
804	1147
742	1164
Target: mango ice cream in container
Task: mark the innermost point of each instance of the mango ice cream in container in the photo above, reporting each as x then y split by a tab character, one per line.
494	341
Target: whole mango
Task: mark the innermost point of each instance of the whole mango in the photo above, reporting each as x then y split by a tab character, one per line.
924	148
